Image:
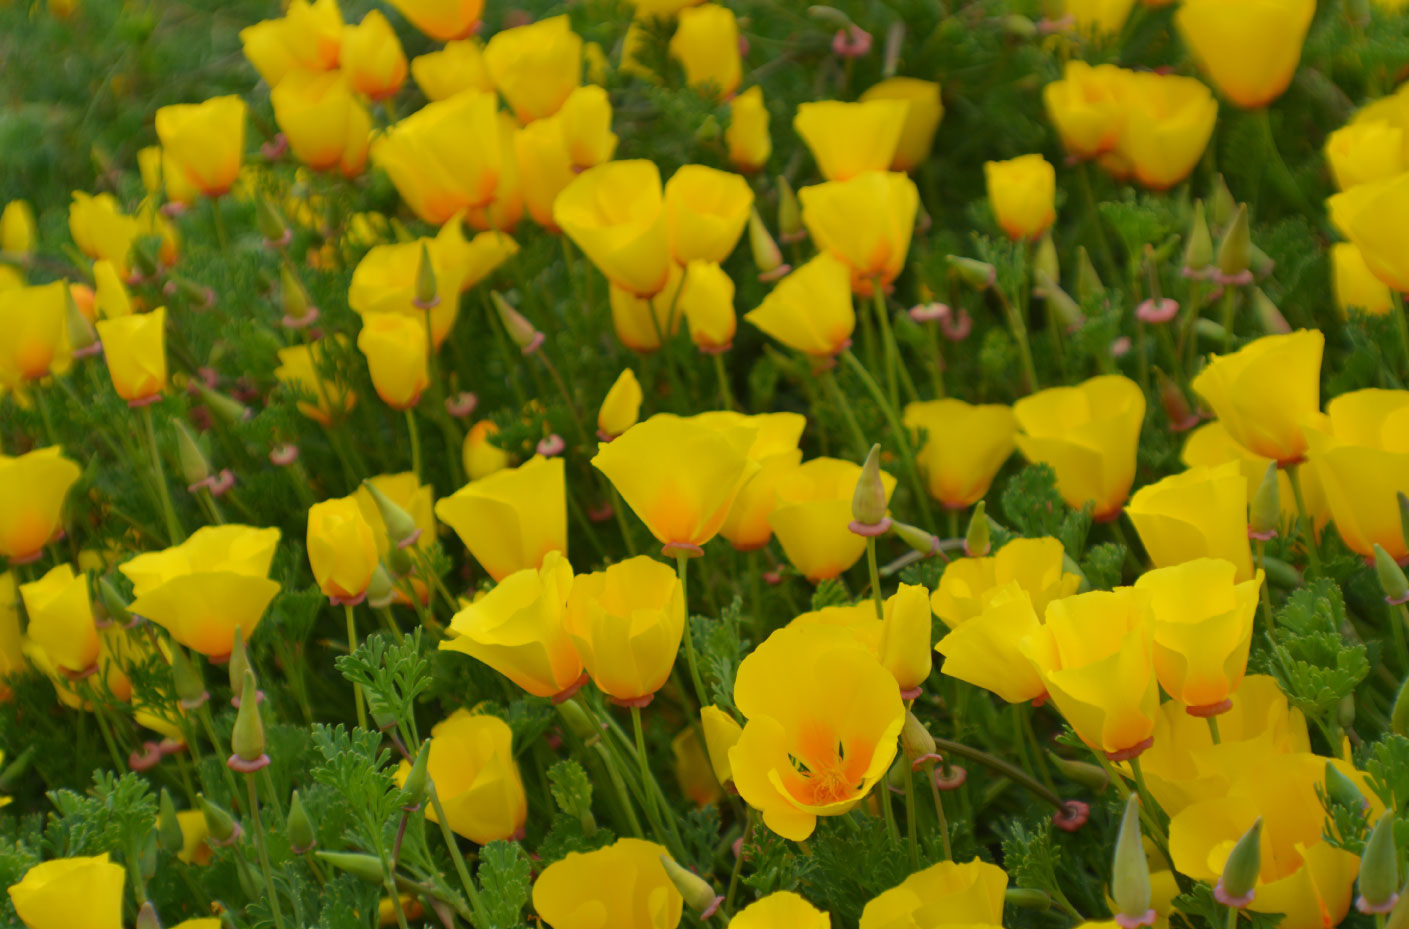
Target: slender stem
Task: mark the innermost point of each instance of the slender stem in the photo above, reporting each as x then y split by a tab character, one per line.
173	528
887	343
939	811
1018	326
682	562
415	434
352	647
652	813
848	414
911	815
902	438
1303	518
1039	756
1233	919
219	224
739	862
875	572
1103	246
891	829
1213	730
1282	177
1230	307
471	891
726	394
1265	595
258	829
1010	771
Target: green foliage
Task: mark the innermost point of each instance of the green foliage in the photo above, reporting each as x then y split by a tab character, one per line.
719	643
572	790
115	816
1032	504
1103	565
1199	902
1310	659
393	674
504	883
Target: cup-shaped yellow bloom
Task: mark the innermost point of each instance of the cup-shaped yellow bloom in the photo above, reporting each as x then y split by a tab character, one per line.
115	650
623	886
34	320
1265	391
1210	445
616	214
812	517
721	732
811	308
1022	192
641	322
135	350
203	589
536	66
947	893
848	139
341	549
110	296
1088	435
1355	285
407	492
18	229
923	111
1363	151
865	221
442	19
1184	765
747	134
60	614
823	718
781	910
511	519
309	373
1249	48
396	350
1096	655
517	629
620	407
1302	876
692	769
707	302
986	649
101	229
481	456
71	893
504	210
627	622
1035	564
1202	628
456	67
12	660
1360	453
706	211
1168	122
205	142
706	43
326	125
1099	17
545	167
775	450
1198	513
904	648
308	37
33	487
1087	107
965	445
472	766
372	57
1368	215
445	157
679	477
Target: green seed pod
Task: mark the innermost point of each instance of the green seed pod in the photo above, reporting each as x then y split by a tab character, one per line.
1198	248
977	543
1235	248
218	823
1240	871
1379	869
401	526
169	825
698	893
195	469
868	501
1090	776
1392	580
363	867
247	739
1130	873
302	836
1341	789
413	792
1266	510
979	275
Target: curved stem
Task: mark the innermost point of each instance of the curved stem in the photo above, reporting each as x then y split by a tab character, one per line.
999	766
682	562
173	528
415	434
939	811
352	647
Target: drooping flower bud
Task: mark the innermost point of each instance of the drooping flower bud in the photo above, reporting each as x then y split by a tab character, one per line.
1088	282
868	501
294	299
222	828
401	526
247	739
523	333
1392	580
767	256
1265	514
919	540
413	792
82	337
381	590
427	288
976	540
698	893
1235	250
1028	898
168	825
1341	789
1130	872
112	602
1238	883
1198	247
789	213
915	739
271	224
1268	316
195	469
302	836
226	408
1090	776
363	867
1379	869
190	688
979	275
578	723
1063	307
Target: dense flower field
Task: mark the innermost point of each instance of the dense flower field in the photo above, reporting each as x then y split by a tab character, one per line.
611	465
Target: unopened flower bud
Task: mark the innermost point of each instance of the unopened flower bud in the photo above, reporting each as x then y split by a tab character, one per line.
698	893
1028	898
979	275
523	333
1088	282
427	290
1044	260
302	836
1260	262
868	501
1235	250
169	825
271	223
1085	774
915	739
1063	307
147	917
767	257
1268	316
82	338
1399	916
919	540
363	867
247	739
195	469
1265	514
789	213
190	688
1222	204
1392	580
976	540
708	130
222	828
381	590
226	408
238	663
1019	26
1341	789
112	602
398	561
1378	881
1238	883
401	527
1130	872
413	792
294	299
1198	247
578	722
1176	406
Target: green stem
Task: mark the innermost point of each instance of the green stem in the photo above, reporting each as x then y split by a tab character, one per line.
848	414
999	766
466	882
1303	518
939	812
352	647
173	528
1103	245
1039	756
1401	326
738	862
258	829
1265	595
891	829
911	811
649	802
878	302
1281	175
415	434
1230	307
682	561
1213	730
902	438
1018	326
875	573
726	394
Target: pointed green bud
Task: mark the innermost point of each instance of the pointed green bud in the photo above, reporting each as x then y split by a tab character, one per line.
698	893
363	867
169	825
915	739
1082	773
1269	317
271	223
1379	869
222	828
1265	514
226	408
195	469
1063	307
1341	789
81	334
976	540
302	837
398	561
1281	574
524	335
918	539
1044	260
708	130
401	527
1019	26
830	15
868	500
1198	247
979	275
190	686
767	257
1238	883
1028	898
1235	248
1210	330
1088	282
112	602
1223	205
789	213
381	590
1399	916
413	792
1399	713
1130	873
147	917
1392	579
247	739
238	664
1259	261
427	288
294	299
577	721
